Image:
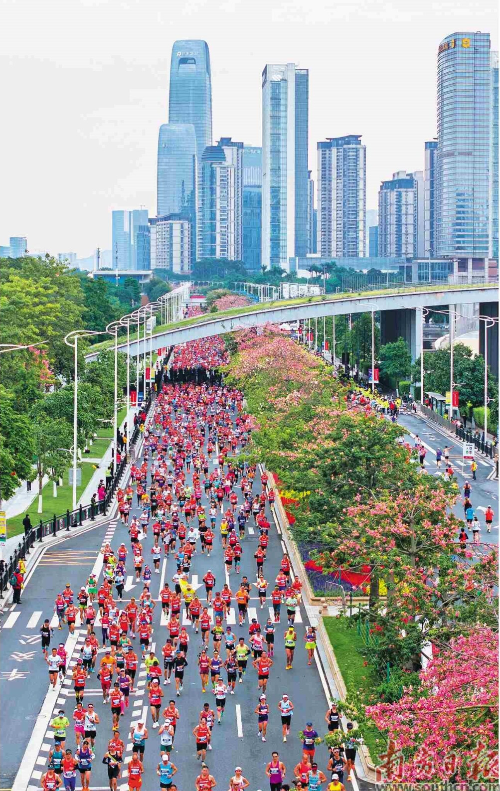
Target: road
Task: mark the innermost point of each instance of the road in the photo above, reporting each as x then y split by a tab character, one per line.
484	490
26	705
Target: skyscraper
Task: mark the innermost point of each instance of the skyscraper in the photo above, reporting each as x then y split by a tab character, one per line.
190	100
400	215
252	207
463	154
373	241
18	246
342	197
176	180
312	217
494	158
430	199
285	124
221	201
125	230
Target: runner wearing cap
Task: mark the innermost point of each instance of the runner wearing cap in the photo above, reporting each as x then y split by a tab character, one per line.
286	710
237	781
262	711
315	778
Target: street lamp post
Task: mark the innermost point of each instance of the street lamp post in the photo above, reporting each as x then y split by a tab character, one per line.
452	333
424	314
112	329
71	339
488	323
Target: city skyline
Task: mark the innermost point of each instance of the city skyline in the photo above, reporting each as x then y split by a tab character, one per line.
120	97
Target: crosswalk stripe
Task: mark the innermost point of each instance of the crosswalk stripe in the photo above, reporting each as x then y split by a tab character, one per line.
54	622
34	619
298	616
252	613
231	618
11	619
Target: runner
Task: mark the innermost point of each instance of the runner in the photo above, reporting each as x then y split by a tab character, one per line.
84	757
166	771
205	781
290	643
237	781
50	781
242	654
262	711
135	770
286	710
220	692
202	735
310	643
53	662
276	772
263	665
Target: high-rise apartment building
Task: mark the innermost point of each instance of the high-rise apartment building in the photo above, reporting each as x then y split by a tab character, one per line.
69	258
430	199
220	213
400	215
494	158
190	99
125	230
464	146
285	131
18	246
4	251
373	241
342	197
170	240
252	207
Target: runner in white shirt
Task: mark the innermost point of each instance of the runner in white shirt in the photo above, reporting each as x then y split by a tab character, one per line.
286	710
220	692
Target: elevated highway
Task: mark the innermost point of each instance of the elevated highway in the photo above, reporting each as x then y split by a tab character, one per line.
400	305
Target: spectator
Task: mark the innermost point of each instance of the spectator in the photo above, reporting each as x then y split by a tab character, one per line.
27	525
16	582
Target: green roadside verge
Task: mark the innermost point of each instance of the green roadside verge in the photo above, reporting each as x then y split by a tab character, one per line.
360	679
51	505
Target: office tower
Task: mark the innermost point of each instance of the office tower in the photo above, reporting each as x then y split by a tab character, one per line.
493	252
312	217
125	226
463	154
170	238
190	100
18	246
342	197
177	174
69	258
143	248
373	241
4	251
221	201
400	215
430	199
285	122
252	207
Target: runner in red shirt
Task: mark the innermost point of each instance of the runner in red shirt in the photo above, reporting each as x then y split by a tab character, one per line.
263	665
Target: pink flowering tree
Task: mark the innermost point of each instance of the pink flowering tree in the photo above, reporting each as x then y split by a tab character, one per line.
449	725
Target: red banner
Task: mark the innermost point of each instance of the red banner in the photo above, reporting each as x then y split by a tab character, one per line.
133	397
148	374
326	345
456	396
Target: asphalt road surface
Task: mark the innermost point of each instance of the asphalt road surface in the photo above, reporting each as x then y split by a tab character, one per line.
27	705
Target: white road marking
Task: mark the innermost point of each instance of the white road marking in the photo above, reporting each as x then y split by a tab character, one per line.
239	724
162	576
54	622
251	531
231	617
38	733
36	774
129	583
34	620
11	619
252	613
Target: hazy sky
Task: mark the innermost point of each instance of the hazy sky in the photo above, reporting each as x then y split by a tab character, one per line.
85	89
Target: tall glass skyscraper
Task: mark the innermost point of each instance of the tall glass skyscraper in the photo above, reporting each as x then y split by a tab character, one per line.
463	154
252	207
176	185
190	100
127	227
430	198
18	246
342	197
494	158
285	131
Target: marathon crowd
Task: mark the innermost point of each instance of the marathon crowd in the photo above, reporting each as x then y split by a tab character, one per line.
182	502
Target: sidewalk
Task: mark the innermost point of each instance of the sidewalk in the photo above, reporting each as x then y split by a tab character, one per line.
22	499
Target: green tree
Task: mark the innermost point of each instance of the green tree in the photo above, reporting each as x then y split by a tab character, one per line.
156	288
101	376
360	339
60	405
468	375
395	361
218	269
16	446
100	306
52	445
129	294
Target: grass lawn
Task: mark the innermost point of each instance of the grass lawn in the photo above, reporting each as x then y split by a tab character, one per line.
98	448
51	505
349	651
106	429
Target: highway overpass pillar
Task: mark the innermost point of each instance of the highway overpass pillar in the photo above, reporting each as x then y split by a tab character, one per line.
404	323
489	309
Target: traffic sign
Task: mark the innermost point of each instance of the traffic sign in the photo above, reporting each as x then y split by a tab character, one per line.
468	451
